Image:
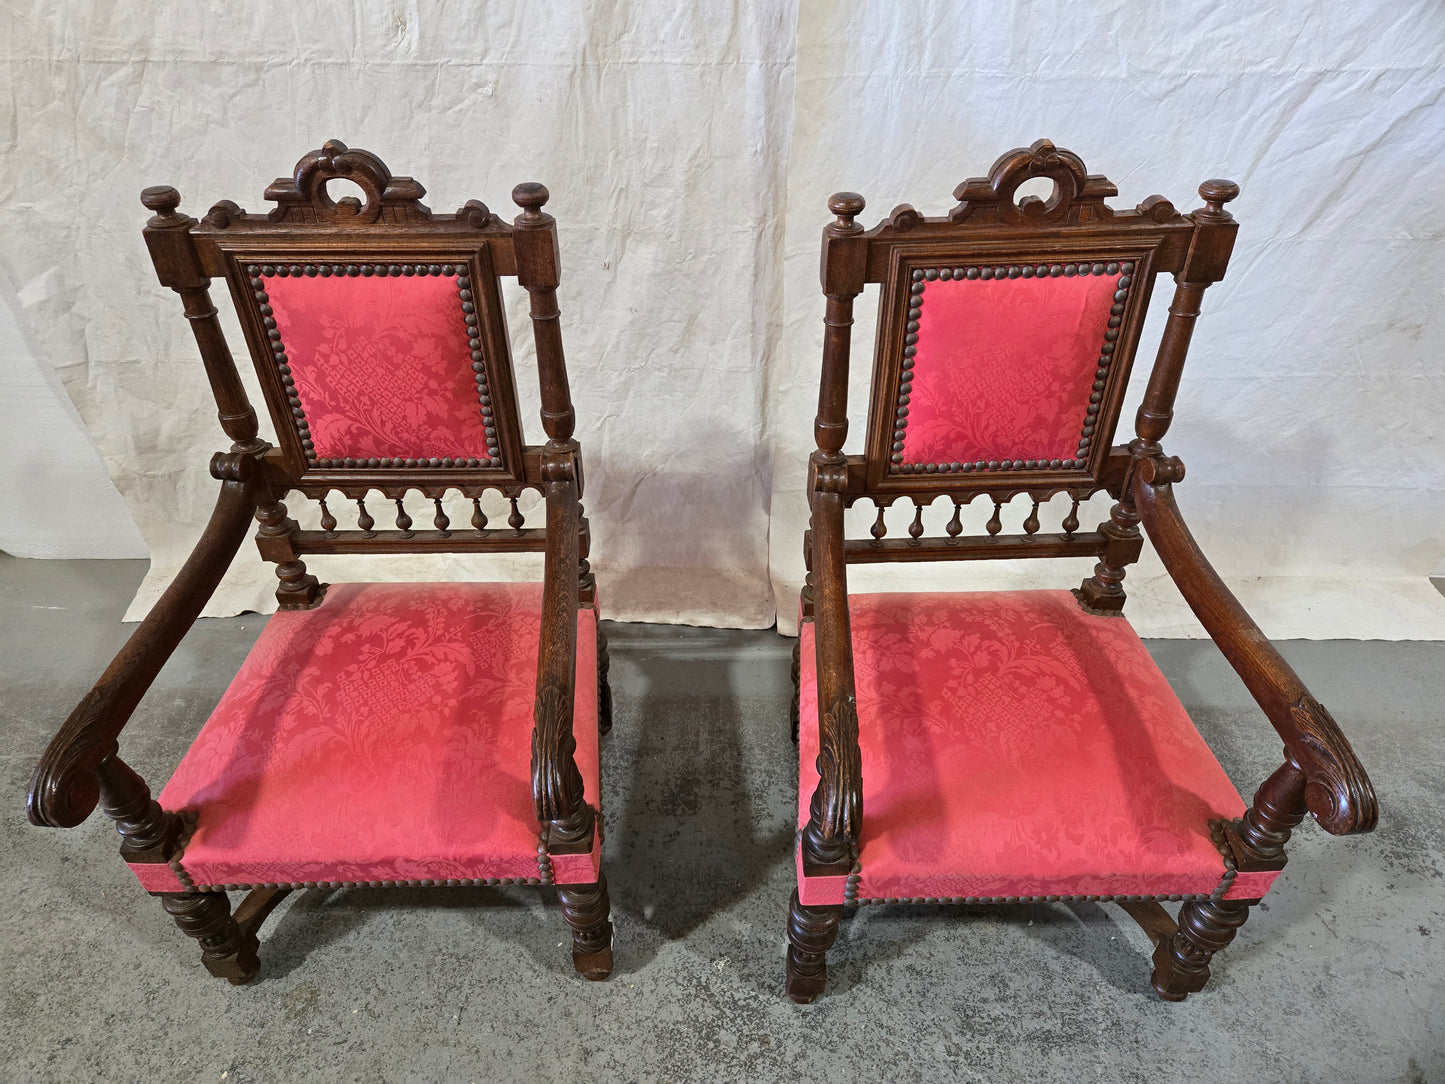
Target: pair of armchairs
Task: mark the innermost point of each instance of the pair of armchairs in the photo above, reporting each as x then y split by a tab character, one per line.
1005	746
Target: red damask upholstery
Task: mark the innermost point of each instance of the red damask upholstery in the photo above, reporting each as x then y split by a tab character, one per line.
1016	746
383	736
1004	367
383	367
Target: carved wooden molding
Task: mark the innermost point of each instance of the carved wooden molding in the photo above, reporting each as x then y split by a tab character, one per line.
836	811
302	198
556	782
1338	793
1077	199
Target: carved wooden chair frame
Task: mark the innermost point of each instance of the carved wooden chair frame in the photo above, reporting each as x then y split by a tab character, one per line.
990	233
389	233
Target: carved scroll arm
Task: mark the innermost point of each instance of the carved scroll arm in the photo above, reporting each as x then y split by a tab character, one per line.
557	790
1336	790
835	818
66	786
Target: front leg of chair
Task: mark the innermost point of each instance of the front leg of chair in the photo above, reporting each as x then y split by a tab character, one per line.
811	933
1181	962
586	909
228	951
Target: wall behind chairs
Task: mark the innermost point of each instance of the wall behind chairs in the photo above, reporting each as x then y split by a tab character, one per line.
690	150
77	513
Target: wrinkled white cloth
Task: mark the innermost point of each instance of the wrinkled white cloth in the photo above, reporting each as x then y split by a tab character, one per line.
689	150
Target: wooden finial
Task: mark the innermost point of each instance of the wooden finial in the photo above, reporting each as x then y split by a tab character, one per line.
531	197
163	200
846	205
1216	193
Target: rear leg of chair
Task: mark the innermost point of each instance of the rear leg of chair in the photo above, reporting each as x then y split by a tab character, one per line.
1181	962
228	950
604	688
586	909
811	933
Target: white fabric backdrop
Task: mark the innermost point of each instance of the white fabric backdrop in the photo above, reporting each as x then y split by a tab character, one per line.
689	150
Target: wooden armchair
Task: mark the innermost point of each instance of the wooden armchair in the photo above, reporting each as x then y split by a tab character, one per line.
377	734
1002	747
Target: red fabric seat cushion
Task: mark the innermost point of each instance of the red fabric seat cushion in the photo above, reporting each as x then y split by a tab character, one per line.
1015	746
383	736
1005	368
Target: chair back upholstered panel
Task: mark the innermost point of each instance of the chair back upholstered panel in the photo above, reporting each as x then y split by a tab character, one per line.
379	367
379	335
1007	369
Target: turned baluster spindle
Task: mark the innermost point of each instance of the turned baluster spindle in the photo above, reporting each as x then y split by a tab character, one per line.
1031	525
363	518
879	528
479	518
441	521
516	520
995	522
328	521
1071	521
403	521
915	529
955	525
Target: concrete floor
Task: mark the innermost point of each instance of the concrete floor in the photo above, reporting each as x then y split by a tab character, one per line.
1341	976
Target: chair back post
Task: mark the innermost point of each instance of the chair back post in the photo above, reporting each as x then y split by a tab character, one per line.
1209	251
178	266
1210	246
534	239
843	274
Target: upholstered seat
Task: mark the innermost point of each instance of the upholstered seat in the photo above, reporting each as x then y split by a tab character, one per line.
1014	747
384	735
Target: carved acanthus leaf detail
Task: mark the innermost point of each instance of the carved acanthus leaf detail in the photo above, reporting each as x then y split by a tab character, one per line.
836	811
556	782
1338	793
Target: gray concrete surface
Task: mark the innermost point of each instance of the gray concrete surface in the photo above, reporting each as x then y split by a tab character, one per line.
1339	977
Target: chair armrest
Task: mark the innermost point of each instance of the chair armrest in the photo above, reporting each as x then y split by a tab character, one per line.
836	811
557	789
1338	793
65	788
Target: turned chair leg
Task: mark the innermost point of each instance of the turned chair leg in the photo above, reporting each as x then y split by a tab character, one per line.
1181	962
228	951
811	933
586	907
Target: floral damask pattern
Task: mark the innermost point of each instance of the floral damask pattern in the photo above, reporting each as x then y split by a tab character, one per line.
384	735
382	366
1014	745
1004	368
